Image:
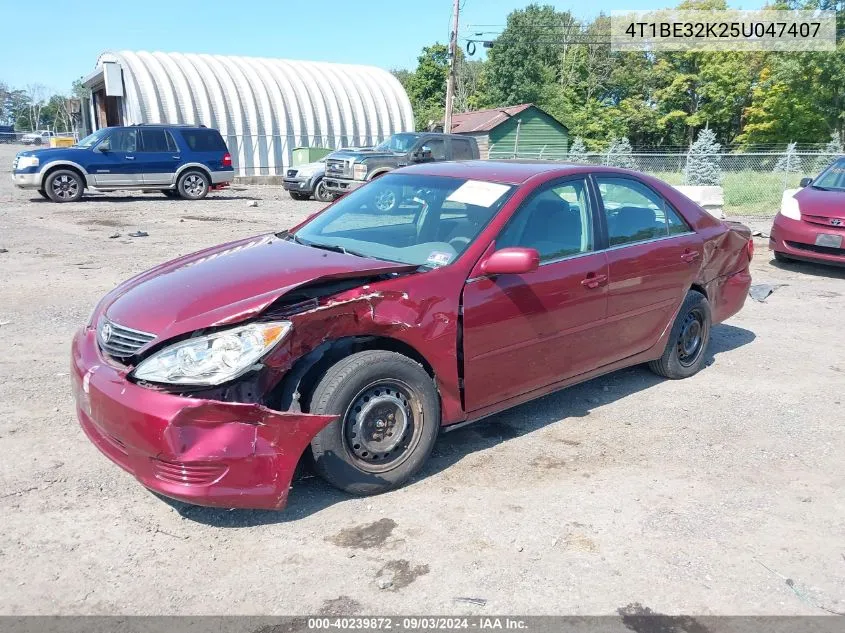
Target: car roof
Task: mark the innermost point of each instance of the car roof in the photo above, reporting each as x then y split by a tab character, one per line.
511	172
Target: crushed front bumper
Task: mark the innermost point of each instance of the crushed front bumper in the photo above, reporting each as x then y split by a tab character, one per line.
199	451
798	239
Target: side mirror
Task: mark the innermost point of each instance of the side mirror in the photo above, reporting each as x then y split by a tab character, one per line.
422	155
805	182
511	261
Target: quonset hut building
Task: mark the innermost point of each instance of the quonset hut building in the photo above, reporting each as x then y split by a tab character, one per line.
263	107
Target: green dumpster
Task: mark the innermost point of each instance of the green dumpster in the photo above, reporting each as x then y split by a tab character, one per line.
303	155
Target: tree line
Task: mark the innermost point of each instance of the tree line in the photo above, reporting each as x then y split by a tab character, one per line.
35	107
750	100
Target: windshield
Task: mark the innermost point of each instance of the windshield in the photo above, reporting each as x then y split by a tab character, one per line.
398	143
421	220
833	178
92	139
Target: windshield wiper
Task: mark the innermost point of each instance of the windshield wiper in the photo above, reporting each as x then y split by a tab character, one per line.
820	188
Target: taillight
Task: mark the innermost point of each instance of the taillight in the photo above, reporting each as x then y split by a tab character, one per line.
750	249
227	160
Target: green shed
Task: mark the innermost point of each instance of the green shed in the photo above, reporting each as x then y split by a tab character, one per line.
523	131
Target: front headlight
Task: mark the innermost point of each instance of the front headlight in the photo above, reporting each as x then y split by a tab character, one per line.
212	359
359	171
789	205
25	162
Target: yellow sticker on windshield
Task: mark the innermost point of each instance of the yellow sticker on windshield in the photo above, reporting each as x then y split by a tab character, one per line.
478	193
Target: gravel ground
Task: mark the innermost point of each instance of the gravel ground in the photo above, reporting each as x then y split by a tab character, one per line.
699	496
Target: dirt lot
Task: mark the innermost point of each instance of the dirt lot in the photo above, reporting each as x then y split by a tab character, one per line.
699	496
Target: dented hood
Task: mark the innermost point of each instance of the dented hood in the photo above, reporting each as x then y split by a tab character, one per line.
228	283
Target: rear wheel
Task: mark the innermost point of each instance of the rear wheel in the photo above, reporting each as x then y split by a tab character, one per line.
170	193
64	185
389	419
193	185
684	353
43	194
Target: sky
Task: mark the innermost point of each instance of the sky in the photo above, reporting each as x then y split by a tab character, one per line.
382	33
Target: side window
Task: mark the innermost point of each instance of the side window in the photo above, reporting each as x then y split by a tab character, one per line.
123	140
557	221
634	212
171	142
153	141
677	224
461	149
437	147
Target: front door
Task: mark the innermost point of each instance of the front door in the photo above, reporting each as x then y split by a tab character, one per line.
653	259
157	157
113	162
523	332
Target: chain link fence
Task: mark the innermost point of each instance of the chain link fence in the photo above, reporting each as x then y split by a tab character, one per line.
752	183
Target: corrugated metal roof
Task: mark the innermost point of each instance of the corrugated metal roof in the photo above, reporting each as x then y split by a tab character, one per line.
484	120
264	107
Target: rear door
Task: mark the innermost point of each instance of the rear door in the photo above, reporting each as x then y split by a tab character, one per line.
113	162
523	332
157	157
653	258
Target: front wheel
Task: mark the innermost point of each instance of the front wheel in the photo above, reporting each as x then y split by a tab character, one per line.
389	419
193	185
684	353
64	185
386	199
299	196
321	193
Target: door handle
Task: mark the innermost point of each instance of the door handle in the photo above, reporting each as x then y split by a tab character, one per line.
129	157
690	256
177	157
593	280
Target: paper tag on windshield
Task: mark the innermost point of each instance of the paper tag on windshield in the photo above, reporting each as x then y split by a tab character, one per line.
438	258
478	193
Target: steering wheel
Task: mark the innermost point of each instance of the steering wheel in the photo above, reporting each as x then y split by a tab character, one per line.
458	243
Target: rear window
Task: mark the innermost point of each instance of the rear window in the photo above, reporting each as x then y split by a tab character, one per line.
204	140
461	149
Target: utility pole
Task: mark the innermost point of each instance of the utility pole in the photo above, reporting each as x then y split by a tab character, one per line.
453	58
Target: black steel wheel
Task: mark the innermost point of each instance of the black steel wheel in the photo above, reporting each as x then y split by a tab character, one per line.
389	417
684	354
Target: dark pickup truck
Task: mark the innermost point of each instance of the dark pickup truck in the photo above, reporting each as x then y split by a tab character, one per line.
348	169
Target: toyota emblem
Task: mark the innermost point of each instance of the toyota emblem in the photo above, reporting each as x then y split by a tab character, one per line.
105	332
836	222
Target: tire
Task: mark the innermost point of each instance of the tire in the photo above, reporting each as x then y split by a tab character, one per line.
193	185
43	194
299	196
321	194
170	193
383	387
687	344
780	257
386	200
64	185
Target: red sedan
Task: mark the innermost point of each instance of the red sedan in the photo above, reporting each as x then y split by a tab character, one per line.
358	334
811	224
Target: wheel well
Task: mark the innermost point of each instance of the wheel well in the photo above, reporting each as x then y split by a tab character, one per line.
378	174
75	170
306	372
699	288
188	170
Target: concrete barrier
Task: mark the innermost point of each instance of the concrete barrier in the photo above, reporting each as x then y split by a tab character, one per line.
711	198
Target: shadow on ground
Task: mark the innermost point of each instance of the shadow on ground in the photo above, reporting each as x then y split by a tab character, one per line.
810	268
311	494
